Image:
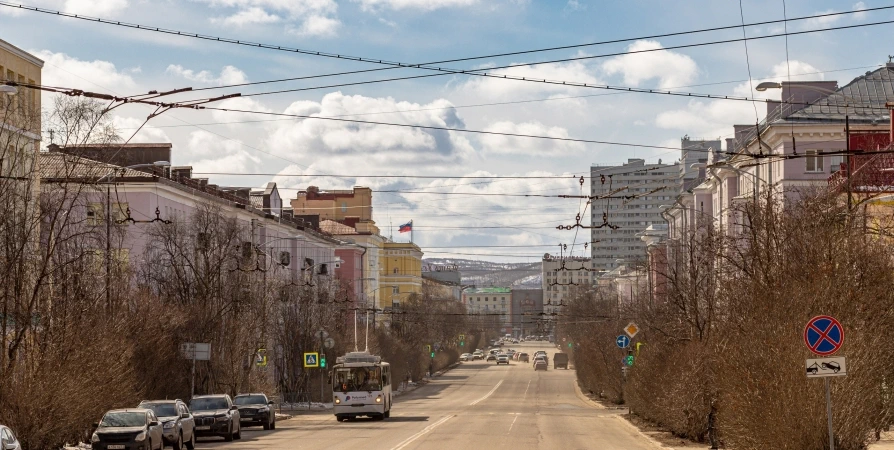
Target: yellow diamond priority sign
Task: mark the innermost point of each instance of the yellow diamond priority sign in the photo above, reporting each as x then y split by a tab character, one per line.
631	329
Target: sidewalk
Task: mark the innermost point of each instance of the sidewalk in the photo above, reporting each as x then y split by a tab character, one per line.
886	443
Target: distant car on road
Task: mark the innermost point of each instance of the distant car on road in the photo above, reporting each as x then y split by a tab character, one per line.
8	440
503	359
178	425
216	415
491	357
540	364
255	410
523	357
128	429
477	355
560	360
465	357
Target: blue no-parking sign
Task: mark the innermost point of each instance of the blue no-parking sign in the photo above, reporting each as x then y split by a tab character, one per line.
622	341
823	335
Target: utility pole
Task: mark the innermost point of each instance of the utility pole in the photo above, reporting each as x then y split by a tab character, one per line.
108	247
847	153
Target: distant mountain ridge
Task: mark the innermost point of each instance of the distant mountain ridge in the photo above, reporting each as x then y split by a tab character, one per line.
488	273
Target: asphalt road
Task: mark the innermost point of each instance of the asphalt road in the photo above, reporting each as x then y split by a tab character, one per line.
476	405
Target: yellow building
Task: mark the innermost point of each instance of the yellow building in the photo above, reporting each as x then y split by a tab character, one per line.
401	274
347	207
19	124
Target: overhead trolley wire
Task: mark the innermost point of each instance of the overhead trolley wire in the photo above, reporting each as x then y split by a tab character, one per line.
397	65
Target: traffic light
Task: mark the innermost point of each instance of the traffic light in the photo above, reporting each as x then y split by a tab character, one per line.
462	344
432	354
322	361
570	345
629	360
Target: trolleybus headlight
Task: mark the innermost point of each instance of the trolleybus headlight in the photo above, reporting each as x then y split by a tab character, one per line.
337	400
379	399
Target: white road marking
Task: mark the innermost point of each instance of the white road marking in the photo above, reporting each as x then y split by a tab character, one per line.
513	423
486	395
526	390
424	431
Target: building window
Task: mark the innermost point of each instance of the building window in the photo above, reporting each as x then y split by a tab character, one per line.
814	161
395	270
835	163
395	290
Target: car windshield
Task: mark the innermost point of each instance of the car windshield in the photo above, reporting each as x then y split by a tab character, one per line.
207	404
357	379
123	419
250	400
161	409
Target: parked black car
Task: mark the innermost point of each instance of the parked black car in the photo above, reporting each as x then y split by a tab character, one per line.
128	429
216	415
256	410
178	425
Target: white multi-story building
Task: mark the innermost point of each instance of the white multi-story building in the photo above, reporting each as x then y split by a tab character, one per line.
626	200
559	276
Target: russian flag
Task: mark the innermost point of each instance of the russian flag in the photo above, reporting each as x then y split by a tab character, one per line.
406	228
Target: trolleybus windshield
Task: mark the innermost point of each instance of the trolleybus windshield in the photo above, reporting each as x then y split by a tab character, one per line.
358	379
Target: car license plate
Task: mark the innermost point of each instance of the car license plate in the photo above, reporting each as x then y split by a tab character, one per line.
203	428
246	419
115	446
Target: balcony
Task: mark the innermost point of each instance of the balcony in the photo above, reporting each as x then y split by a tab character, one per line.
869	173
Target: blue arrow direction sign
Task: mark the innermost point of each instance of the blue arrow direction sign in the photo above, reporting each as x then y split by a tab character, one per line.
623	341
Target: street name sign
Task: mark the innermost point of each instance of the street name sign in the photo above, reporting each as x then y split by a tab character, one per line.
622	341
631	329
826	367
312	359
823	335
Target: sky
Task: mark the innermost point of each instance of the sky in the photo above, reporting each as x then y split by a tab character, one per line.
408	168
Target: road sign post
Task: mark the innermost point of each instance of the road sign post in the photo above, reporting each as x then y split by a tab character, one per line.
824	336
196	351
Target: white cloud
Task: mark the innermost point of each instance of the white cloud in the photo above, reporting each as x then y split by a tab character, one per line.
228	75
380	146
670	68
207	152
101	8
495	89
127	125
495	144
247	16
65	71
716	117
575	5
315	25
302	17
859	6
425	5
238	103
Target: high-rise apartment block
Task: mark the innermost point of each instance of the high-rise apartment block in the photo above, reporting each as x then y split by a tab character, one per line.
626	201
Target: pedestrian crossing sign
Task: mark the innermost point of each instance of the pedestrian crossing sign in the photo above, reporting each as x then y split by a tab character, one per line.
312	359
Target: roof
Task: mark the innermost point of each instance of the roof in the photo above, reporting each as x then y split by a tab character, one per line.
21	53
62	166
336	228
863	98
490	290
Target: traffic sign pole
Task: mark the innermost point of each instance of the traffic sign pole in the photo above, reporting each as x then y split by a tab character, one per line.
829	413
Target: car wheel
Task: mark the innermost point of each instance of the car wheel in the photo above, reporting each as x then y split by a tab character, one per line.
238	432
267	425
191	444
273	425
388	414
229	436
179	444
